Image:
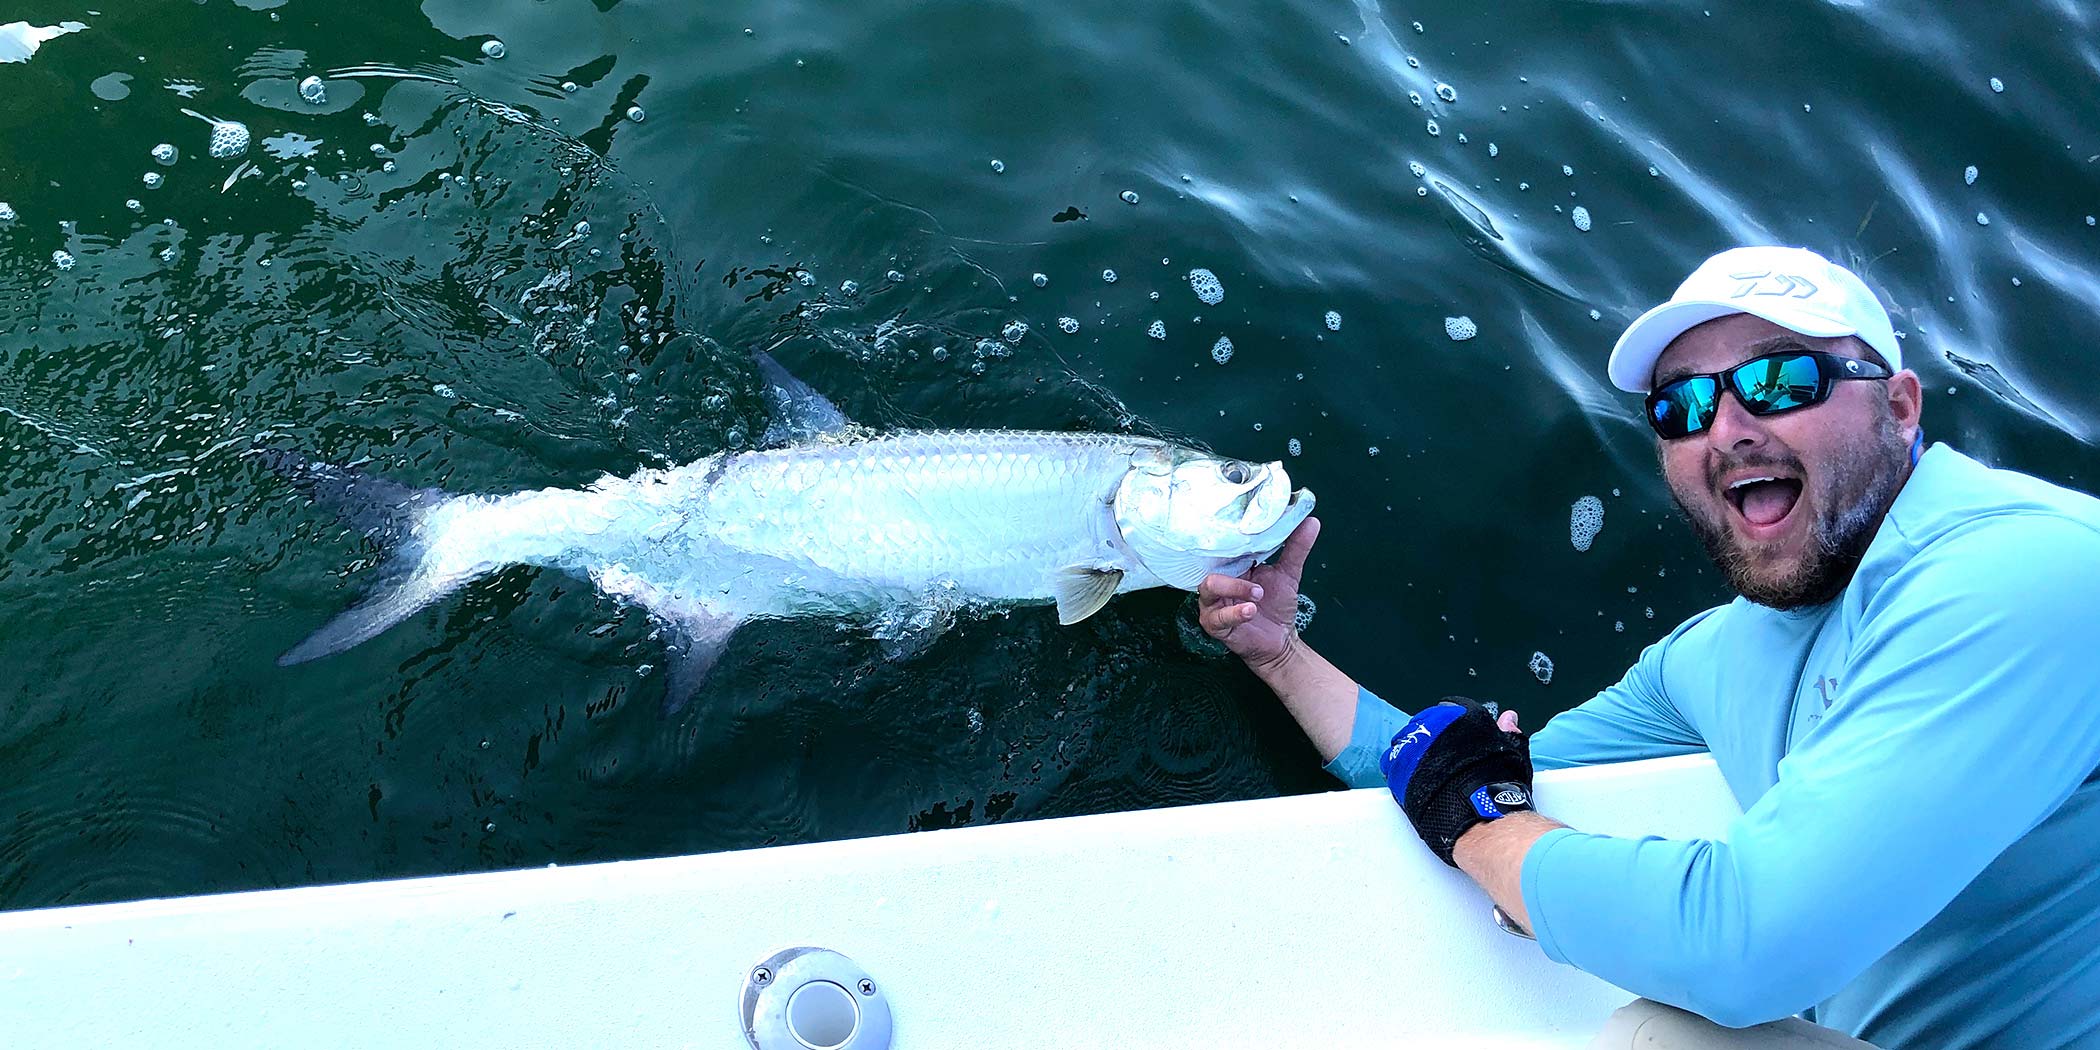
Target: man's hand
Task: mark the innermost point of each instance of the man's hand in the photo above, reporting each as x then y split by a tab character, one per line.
1454	766
1255	614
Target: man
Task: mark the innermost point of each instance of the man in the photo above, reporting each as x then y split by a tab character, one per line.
1904	700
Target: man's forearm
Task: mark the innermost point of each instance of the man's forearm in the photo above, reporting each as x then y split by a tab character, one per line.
1316	693
1493	854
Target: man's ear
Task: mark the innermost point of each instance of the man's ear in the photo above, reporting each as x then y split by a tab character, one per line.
1906	402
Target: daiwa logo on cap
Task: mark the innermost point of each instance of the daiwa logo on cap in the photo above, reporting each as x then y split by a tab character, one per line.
1768	283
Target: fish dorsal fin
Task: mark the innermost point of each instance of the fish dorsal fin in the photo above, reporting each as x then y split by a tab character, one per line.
799	412
1082	590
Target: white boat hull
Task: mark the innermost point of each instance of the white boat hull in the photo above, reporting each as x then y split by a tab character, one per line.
1314	921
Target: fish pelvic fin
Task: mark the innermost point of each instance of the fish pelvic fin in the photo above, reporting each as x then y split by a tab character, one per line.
695	644
1082	590
392	517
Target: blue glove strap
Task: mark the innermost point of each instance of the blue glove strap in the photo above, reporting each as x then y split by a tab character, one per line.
1405	752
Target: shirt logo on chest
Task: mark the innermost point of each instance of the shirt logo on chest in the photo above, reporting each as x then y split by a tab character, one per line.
1829	688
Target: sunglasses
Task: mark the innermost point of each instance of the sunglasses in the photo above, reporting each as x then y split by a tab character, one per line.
1767	386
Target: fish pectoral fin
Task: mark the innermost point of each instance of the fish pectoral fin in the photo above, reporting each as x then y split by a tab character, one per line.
1082	590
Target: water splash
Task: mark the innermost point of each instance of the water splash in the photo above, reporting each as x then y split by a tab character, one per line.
19	40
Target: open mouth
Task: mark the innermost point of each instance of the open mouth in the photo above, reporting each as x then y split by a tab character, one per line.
1764	502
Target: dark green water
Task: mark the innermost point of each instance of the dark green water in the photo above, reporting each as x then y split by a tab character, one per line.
414	292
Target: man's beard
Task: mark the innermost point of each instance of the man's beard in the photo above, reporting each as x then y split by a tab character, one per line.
1857	489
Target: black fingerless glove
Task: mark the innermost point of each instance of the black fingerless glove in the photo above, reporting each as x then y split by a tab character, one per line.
1452	767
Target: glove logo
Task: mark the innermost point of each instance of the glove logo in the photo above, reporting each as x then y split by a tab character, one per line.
1416	735
1511	797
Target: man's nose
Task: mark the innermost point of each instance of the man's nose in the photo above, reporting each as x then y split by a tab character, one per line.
1734	428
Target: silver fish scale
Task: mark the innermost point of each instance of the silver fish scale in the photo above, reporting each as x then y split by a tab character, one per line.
836	528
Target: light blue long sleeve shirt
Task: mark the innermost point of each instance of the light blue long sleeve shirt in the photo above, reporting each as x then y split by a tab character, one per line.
1918	861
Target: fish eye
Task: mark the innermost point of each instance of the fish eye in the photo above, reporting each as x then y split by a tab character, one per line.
1235	473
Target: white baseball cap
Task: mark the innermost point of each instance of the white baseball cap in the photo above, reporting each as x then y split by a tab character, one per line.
1791	287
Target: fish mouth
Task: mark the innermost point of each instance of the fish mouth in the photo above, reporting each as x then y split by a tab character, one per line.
1294	513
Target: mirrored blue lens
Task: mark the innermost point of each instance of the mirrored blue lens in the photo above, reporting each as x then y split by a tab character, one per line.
1776	384
1683	407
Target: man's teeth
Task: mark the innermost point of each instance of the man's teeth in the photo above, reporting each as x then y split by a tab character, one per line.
1748	481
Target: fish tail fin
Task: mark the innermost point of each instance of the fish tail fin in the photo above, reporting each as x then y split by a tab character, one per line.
391	516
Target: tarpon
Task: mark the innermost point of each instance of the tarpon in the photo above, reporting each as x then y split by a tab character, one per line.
898	532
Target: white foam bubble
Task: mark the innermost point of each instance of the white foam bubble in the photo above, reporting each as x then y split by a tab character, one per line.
1157	329
1446	92
1460	328
1295	447
314	91
494	49
1582	218
1433	129
1982	219
849	288
1596	315
1130	197
1997	84
1494	150
62	259
1040	280
1415	168
1585	520
1013	331
998	166
1372	451
152	179
229	138
1415	97
7	212
1207	287
1221	351
1542	668
1303	618
1334	321
1068	325
1968	175
165	153
637	114
1568	171
1108	276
